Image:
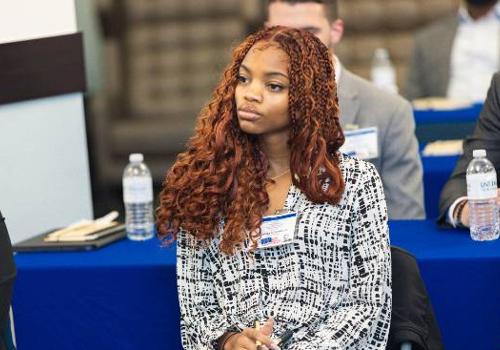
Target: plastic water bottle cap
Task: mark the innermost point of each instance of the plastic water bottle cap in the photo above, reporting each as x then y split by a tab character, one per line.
136	157
381	53
478	153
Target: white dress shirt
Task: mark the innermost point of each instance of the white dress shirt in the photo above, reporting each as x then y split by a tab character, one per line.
475	55
449	218
338	68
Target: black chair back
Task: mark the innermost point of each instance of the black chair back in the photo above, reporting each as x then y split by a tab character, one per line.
7	276
413	317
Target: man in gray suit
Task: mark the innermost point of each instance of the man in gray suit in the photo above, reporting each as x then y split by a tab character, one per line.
456	56
453	206
364	106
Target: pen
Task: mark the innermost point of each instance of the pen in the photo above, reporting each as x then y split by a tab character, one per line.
257	327
285	337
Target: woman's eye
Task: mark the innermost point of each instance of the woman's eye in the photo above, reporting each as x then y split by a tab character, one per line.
275	87
242	79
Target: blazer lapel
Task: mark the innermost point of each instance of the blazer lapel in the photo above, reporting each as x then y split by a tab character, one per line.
348	98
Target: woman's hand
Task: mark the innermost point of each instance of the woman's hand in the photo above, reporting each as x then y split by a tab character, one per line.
247	339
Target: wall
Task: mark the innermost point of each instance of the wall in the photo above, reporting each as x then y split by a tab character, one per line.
44	174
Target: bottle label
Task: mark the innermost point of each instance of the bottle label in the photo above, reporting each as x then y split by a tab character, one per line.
481	186
383	76
137	190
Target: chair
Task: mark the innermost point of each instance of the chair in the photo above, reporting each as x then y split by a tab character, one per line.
8	341
413	324
7	276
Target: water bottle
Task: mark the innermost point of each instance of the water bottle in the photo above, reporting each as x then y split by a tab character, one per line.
138	199
382	72
482	197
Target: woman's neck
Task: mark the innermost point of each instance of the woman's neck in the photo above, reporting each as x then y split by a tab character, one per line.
277	152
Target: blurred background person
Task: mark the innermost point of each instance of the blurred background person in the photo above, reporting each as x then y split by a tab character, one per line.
362	105
456	56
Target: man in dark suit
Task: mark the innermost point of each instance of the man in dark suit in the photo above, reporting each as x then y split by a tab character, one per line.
453	206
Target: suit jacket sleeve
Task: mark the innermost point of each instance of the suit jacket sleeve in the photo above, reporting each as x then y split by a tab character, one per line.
486	136
401	166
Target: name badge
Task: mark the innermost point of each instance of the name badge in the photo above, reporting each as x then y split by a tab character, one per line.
277	230
361	143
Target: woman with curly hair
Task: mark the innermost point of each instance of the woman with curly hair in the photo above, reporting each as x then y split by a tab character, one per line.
273	225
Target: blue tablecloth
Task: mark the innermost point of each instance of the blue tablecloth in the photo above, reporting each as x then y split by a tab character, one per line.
434	125
463	279
462	115
124	296
437	170
121	297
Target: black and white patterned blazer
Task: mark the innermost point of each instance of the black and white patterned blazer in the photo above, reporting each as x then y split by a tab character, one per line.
331	286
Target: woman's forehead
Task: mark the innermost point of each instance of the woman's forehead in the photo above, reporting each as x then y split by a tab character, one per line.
269	52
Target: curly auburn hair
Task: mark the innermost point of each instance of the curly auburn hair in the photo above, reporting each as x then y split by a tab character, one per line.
222	175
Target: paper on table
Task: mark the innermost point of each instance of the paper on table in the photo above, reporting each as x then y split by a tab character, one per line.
443	148
440	103
92	236
83	228
112	215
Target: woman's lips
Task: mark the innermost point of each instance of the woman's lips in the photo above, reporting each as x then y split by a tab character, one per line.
248	115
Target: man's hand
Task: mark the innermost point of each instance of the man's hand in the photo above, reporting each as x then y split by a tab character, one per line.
465	215
247	339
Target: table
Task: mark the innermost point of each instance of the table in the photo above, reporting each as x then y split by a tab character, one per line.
461	115
434	125
462	278
437	171
124	296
